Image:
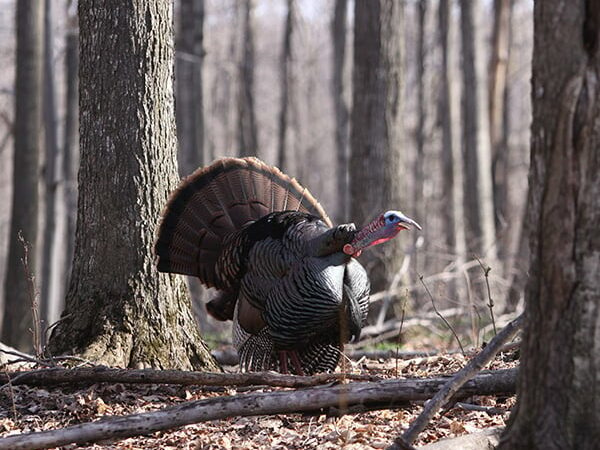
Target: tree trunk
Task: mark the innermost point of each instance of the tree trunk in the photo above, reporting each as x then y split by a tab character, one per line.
24	217
559	387
120	311
71	143
247	135
286	62
452	175
478	196
338	35
498	130
375	164
189	105
418	194
53	257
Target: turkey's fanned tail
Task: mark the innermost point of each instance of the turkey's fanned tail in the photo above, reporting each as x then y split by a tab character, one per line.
216	201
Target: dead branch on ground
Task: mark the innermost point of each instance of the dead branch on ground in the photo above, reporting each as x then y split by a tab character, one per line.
101	374
343	399
466	373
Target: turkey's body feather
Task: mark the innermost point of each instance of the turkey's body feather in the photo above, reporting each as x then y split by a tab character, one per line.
284	279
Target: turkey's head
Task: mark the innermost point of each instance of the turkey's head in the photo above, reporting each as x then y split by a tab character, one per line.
381	229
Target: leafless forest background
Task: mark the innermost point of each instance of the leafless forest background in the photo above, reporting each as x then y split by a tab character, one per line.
292	60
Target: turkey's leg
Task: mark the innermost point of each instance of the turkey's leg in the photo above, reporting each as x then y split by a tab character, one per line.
283	362
296	362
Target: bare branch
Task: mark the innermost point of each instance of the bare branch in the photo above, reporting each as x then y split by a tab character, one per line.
463	375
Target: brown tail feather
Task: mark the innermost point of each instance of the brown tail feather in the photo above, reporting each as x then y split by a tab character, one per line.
217	200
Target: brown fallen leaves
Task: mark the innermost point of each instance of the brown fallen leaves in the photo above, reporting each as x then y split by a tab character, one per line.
40	409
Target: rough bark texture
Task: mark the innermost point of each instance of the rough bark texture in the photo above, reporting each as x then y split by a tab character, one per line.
24	217
375	164
189	106
338	35
478	196
559	387
452	175
286	60
247	134
120	311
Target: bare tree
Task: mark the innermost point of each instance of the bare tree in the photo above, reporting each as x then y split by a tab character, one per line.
70	160
452	175
119	309
53	256
497	115
247	134
286	87
478	196
375	163
558	390
189	105
338	35
418	195
24	217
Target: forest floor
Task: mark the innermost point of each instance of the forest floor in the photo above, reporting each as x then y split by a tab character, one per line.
25	409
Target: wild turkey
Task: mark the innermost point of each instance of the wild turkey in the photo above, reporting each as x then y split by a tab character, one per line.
286	277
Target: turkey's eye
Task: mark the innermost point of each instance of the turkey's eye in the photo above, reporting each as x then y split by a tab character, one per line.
392	218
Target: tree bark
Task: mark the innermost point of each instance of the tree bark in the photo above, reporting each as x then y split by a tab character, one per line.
189	105
286	74
478	195
559	387
120	311
17	319
338	35
375	163
247	134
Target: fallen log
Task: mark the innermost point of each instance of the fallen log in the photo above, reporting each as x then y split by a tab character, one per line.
316	400
102	374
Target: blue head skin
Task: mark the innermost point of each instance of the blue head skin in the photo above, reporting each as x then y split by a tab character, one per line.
381	229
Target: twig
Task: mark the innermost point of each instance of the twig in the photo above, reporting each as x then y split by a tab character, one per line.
400	332
490	305
491	410
316	400
12	399
442	317
463	376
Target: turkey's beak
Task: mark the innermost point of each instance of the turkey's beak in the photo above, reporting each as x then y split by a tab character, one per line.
406	223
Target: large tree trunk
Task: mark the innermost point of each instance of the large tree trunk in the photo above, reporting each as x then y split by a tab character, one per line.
338	34
375	164
189	106
559	388
17	321
286	60
247	134
478	196
120	311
